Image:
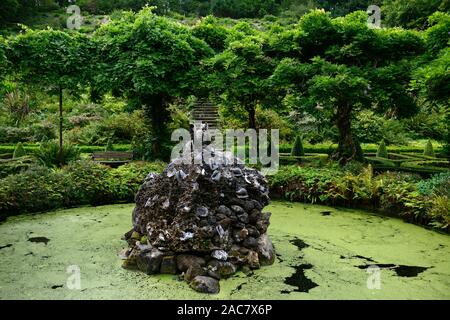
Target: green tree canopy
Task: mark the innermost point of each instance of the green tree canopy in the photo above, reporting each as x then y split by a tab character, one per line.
53	60
411	14
239	74
150	60
334	67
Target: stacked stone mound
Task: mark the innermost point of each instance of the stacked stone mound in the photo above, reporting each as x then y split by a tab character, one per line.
204	221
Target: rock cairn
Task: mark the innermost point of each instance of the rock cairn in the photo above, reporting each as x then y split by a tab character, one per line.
203	221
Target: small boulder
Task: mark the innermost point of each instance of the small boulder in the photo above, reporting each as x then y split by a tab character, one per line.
184	261
251	243
266	252
253	260
168	265
221	269
149	261
205	284
193	271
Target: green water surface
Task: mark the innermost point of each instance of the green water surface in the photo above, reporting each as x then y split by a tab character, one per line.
322	253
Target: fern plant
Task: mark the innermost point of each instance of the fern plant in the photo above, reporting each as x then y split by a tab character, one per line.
48	153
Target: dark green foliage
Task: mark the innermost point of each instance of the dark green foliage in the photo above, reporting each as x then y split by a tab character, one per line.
243	8
428	151
297	149
37	189
328	71
27	134
211	32
382	150
19	151
344	7
439	184
13	11
14	166
48	154
411	14
150	60
80	183
389	192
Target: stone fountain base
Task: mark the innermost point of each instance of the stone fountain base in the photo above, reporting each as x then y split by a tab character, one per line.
203	221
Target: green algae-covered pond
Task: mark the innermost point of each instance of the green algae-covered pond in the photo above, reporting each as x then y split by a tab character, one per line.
322	253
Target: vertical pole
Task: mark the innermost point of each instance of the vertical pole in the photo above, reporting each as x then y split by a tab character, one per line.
60	159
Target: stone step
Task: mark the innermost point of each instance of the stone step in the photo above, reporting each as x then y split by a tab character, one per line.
205	118
214	115
205	111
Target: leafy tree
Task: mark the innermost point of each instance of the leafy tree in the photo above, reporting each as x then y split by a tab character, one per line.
239	74
336	67
343	7
214	34
432	80
16	10
411	14
382	151
150	60
243	8
3	64
51	59
437	35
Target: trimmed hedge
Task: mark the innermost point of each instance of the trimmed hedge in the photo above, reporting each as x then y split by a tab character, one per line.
80	183
329	148
286	159
33	148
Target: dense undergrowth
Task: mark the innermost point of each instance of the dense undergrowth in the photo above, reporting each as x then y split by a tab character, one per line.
84	182
425	202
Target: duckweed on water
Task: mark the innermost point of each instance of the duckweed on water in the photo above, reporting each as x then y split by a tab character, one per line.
318	257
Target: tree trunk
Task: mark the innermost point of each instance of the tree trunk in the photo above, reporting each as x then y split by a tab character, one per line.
156	112
348	148
251	117
60	153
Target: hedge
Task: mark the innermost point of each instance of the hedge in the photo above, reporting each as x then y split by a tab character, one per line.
329	148
80	183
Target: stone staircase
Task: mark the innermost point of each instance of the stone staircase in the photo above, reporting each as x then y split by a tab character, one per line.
205	112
